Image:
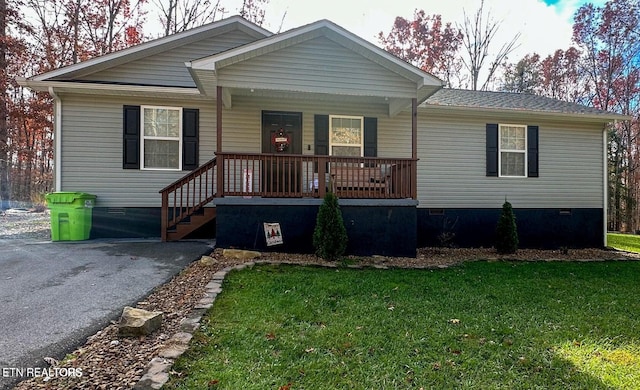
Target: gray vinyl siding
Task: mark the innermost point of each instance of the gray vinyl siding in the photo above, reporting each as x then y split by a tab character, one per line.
92	151
168	68
242	124
452	172
242	129
451	167
92	141
317	65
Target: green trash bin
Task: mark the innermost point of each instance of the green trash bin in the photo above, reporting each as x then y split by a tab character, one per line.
71	214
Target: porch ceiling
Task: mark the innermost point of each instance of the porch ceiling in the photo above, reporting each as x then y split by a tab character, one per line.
394	105
207	83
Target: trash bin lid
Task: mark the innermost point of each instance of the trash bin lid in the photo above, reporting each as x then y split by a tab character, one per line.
67	197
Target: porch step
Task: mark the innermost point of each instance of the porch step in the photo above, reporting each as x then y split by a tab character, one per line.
195	222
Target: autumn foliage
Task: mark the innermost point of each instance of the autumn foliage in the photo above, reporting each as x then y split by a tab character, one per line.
60	33
601	69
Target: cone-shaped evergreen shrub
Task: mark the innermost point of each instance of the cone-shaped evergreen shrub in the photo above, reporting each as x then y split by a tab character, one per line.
507	231
330	235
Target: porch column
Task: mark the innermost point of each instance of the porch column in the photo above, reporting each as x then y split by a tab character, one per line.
220	161
218	119
414	147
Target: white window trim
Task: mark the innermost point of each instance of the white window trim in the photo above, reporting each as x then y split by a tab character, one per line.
143	138
332	144
500	150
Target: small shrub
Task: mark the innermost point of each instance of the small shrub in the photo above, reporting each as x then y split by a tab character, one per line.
330	235
39	202
447	235
507	231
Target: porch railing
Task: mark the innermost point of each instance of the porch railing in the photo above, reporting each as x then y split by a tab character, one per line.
300	176
186	196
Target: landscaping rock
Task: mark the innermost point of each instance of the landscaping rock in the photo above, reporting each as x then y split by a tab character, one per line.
240	254
138	322
156	374
176	346
207	260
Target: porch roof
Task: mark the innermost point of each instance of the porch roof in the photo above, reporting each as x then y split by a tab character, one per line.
319	58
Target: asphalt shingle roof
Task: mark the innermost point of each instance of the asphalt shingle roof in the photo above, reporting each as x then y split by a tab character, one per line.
510	101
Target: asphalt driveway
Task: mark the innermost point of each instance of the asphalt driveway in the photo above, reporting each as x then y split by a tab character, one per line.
54	295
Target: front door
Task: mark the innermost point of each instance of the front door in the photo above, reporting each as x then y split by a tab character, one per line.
281	135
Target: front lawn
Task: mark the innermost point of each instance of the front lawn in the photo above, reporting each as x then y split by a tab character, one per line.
498	325
625	242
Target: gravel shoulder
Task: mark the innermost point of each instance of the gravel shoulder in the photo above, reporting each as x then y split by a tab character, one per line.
25	224
110	362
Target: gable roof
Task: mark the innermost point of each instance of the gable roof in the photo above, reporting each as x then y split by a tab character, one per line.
320	28
154	47
461	99
258	66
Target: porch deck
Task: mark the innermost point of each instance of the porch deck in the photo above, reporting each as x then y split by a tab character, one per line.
283	176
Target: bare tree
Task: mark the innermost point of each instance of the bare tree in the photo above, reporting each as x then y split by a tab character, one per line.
253	10
4	128
477	37
180	15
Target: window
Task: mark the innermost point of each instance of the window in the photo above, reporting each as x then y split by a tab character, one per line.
346	135
161	146
135	141
513	150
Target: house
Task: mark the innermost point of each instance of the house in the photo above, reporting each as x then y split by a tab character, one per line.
227	126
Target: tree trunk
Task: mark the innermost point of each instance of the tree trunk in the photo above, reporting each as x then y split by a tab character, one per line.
4	125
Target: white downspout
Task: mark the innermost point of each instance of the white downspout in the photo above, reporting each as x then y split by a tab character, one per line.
57	139
605	184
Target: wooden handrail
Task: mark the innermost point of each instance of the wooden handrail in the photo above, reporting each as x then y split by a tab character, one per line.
187	195
300	176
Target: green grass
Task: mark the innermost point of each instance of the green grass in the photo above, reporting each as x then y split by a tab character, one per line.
625	242
489	325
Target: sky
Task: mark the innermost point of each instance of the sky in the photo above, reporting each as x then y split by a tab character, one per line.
545	25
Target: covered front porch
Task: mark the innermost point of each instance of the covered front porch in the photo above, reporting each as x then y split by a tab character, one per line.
325	100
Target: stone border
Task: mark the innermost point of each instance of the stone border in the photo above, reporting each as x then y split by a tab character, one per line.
156	373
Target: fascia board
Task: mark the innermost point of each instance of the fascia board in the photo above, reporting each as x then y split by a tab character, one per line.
458	111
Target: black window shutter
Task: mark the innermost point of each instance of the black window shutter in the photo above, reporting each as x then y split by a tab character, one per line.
532	151
190	129
370	137
131	137
492	149
321	135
